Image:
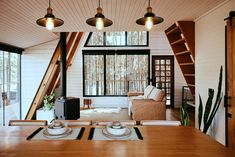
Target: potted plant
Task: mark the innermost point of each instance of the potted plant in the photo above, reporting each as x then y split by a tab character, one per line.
207	115
48	101
47	111
184	116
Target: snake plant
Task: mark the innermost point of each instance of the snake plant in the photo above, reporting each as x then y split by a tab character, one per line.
209	114
184	116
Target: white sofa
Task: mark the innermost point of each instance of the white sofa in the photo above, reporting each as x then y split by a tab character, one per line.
151	101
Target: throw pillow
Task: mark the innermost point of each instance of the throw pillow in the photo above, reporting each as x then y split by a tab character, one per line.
148	91
156	94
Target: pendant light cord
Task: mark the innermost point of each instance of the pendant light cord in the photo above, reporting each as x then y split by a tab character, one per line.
149	3
49	3
99	3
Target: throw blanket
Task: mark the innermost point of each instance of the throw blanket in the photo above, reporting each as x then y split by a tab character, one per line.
102	110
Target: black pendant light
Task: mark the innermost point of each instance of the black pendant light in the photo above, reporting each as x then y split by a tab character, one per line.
49	20
149	19
99	21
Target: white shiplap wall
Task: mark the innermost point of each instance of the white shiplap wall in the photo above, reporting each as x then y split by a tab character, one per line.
34	64
35	61
159	45
210	55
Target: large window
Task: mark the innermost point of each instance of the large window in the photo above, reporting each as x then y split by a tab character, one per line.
112	73
9	86
117	39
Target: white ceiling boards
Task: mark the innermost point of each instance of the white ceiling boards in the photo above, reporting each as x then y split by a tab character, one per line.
18	17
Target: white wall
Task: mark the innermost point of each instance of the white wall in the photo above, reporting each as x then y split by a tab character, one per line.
34	63
36	59
158	45
209	56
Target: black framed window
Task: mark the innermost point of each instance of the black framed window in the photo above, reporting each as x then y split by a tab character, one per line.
117	39
114	72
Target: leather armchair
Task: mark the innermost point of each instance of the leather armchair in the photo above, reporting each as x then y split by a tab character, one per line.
150	107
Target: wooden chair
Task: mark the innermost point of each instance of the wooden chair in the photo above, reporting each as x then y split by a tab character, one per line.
27	123
160	122
123	122
75	122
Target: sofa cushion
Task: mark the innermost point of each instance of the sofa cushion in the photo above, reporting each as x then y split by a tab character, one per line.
156	94
148	91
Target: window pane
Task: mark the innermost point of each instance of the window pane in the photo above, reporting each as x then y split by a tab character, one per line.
120	75
116	83
110	74
137	72
1	87
115	38
9	86
96	39
14	77
137	38
94	74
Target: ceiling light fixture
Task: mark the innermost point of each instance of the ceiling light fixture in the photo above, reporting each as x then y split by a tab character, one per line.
99	21
149	19
49	20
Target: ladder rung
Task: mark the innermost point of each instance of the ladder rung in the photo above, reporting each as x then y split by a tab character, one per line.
189	75
191	85
181	53
189	63
178	41
174	30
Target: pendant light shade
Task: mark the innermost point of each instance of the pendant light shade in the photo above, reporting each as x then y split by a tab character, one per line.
149	19
99	21
49	20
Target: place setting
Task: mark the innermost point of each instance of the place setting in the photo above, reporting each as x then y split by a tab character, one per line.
115	131
57	131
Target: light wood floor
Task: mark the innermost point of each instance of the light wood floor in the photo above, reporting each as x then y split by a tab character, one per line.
171	114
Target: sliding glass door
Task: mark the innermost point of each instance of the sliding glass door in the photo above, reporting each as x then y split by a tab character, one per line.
9	87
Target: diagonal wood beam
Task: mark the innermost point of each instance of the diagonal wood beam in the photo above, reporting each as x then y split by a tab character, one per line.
71	54
70	57
56	75
52	75
51	69
44	83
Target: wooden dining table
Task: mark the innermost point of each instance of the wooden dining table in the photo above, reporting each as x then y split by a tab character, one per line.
158	141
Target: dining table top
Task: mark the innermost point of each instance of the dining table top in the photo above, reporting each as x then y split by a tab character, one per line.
158	141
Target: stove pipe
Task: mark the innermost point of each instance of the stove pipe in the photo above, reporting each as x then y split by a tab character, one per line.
66	108
63	64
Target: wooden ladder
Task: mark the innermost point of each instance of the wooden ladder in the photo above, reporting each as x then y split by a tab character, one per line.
52	75
181	36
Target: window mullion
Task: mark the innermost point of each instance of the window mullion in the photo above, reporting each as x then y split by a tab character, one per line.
104	40
126	38
104	74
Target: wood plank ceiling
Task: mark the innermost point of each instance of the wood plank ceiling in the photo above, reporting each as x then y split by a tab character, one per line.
18	26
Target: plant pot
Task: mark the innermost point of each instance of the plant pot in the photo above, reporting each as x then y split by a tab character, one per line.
45	114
